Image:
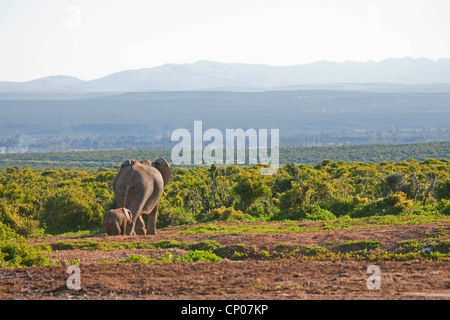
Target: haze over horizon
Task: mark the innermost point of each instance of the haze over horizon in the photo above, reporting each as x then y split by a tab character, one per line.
92	39
387	75
204	61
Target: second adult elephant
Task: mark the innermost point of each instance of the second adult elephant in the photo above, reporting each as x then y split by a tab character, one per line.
138	186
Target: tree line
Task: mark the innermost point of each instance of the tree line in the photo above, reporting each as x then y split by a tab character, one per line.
309	155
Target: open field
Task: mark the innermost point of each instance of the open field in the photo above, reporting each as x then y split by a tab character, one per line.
297	260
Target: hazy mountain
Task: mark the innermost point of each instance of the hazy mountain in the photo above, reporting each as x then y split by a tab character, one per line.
203	75
52	83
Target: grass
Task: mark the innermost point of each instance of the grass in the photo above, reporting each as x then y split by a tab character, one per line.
360	246
212	250
263	287
415	245
106	246
192	255
208	250
341	223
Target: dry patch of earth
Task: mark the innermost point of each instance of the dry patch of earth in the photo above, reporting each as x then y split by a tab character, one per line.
102	278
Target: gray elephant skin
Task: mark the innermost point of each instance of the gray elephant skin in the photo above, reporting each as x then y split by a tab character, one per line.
115	221
139	186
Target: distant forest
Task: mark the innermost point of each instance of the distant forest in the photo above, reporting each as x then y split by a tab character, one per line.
145	120
298	155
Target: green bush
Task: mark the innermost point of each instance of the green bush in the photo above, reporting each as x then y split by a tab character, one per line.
399	202
249	187
443	190
135	259
199	255
225	214
294	202
340	207
317	213
23	225
394	204
71	209
260	209
444	207
174	217
15	253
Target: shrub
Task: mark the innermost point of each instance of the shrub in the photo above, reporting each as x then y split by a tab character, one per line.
395	204
259	209
135	259
71	209
444	207
443	190
295	202
340	207
205	245
199	255
317	213
174	217
225	214
23	225
14	251
399	202
395	180
249	188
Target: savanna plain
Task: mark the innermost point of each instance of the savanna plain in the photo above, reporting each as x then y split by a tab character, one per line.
307	232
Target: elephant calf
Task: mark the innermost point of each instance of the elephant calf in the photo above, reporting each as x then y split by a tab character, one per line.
115	221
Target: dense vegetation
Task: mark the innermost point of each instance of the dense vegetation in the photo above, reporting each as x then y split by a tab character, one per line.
37	202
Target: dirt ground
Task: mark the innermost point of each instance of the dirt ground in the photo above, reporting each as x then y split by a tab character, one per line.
287	279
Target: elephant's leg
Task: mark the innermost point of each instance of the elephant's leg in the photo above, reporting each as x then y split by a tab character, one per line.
152	218
137	226
130	231
136	212
140	226
115	229
123	228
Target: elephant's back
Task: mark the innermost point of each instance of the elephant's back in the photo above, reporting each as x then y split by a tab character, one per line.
151	179
138	175
109	218
120	178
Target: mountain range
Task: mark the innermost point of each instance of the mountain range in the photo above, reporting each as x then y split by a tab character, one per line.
390	74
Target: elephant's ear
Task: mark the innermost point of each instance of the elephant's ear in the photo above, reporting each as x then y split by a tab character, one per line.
163	166
127	214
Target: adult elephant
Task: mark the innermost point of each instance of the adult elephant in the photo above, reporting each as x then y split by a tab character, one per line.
138	186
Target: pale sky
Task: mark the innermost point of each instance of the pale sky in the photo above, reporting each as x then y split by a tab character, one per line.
90	39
